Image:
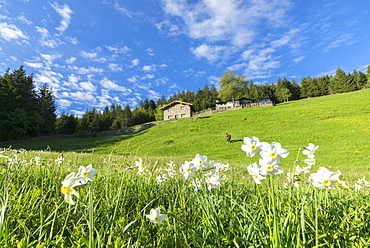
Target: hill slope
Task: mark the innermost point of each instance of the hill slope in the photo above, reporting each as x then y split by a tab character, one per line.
339	124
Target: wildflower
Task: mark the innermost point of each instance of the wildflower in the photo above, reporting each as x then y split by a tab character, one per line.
296	184
59	160
310	150
270	167
290	177
155	216
310	161
299	169
358	187
213	181
188	169
254	171
196	184
286	185
87	173
273	151
139	163
141	170
222	167
324	178
200	162
67	189
251	146
171	171
37	160
161	178
342	183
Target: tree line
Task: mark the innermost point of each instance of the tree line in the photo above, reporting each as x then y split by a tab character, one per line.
26	111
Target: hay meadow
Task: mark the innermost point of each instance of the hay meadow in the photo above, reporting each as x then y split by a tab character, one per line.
179	184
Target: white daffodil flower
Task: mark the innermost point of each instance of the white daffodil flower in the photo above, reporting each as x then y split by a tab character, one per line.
87	173
310	150
273	151
196	184
254	171
139	163
188	169
324	178
270	167
67	189
251	146
155	216
200	162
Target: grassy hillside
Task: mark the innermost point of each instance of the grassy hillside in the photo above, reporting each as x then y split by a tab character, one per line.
339	124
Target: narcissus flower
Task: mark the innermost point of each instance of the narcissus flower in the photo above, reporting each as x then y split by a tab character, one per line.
251	146
273	151
200	162
188	169
139	163
155	216
270	167
310	150
324	178
254	171
87	173
68	185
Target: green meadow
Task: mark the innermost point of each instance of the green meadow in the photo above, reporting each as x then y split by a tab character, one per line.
233	211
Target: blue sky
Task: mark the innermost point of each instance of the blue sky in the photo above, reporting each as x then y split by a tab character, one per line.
103	52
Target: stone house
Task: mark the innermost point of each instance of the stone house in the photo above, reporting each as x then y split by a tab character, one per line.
265	102
240	103
177	109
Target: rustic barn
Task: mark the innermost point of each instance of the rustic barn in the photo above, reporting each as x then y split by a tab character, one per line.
177	109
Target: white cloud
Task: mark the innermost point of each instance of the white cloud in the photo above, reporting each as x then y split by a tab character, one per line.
84	70
117	49
132	79
46	40
65	12
114	67
71	60
33	64
153	95
92	56
11	32
49	77
135	62
148	68
83	96
110	85
24	19
88	86
211	53
227	20
64	103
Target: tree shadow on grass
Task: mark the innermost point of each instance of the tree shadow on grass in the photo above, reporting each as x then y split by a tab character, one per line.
76	144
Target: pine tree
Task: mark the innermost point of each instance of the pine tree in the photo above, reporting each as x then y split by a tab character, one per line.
47	109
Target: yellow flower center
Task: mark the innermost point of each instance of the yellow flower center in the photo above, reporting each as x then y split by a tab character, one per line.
326	182
255	176
200	162
85	174
188	170
141	165
273	155
270	168
253	147
64	190
156	219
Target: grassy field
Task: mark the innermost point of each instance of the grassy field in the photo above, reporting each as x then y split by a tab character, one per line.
339	124
202	205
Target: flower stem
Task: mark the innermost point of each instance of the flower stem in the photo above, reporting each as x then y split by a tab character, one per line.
91	216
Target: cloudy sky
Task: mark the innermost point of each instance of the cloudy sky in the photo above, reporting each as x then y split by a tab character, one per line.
103	52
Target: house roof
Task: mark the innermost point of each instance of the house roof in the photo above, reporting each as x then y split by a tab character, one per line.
177	102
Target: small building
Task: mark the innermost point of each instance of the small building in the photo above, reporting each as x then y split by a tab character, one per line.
240	103
265	102
177	109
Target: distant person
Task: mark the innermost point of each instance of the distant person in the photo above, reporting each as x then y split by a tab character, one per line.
228	138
